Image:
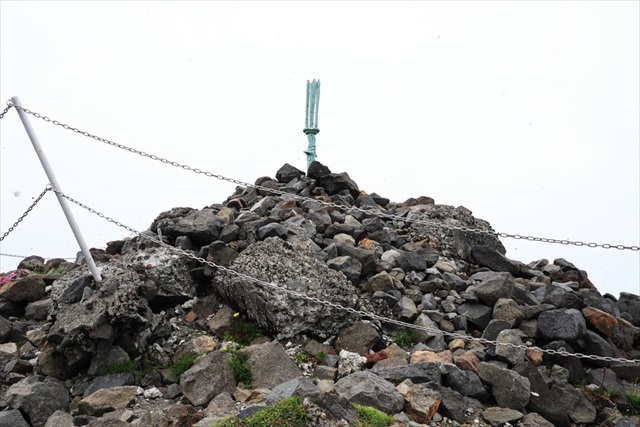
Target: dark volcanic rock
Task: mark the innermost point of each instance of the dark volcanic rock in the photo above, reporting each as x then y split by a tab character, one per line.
491	258
493	287
287	172
418	373
509	389
561	324
317	170
334	183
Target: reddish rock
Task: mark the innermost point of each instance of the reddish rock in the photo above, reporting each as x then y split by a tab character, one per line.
420	402
534	356
191	316
374	358
602	321
467	362
367	244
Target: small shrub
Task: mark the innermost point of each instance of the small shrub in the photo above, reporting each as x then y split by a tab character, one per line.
306	357
285	413
242	332
371	417
241	371
183	364
599	397
404	338
634	403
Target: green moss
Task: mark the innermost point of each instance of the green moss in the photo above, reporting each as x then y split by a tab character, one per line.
183	364
285	413
404	338
371	417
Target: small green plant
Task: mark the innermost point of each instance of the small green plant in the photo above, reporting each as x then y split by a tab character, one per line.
123	366
306	357
238	362
634	403
404	338
285	413
139	368
183	364
599	397
241	331
371	417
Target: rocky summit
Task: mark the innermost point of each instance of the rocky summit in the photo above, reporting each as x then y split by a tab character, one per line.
303	288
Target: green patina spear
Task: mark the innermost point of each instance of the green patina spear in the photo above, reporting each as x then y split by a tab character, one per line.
311	119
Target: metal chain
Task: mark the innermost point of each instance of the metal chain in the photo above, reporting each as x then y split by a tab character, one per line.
9	105
331	204
360	313
15	224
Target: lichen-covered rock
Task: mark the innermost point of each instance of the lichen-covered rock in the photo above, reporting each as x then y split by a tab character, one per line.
450	241
275	261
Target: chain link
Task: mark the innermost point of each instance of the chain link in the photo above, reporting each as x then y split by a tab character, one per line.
360	313
9	105
15	224
340	207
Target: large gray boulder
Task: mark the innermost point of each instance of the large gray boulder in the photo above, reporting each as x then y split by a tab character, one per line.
300	386
421	372
493	287
509	389
86	313
358	338
451	241
491	258
201	226
38	400
565	324
208	377
265	360
278	262
12	418
366	388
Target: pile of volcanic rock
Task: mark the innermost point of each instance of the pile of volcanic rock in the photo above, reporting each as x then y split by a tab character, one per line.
328	274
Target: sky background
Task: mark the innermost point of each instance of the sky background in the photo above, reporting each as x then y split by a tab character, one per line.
526	113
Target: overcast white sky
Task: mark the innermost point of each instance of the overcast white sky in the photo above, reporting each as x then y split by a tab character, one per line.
527	113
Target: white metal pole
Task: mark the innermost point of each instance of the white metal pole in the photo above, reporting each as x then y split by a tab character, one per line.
54	183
